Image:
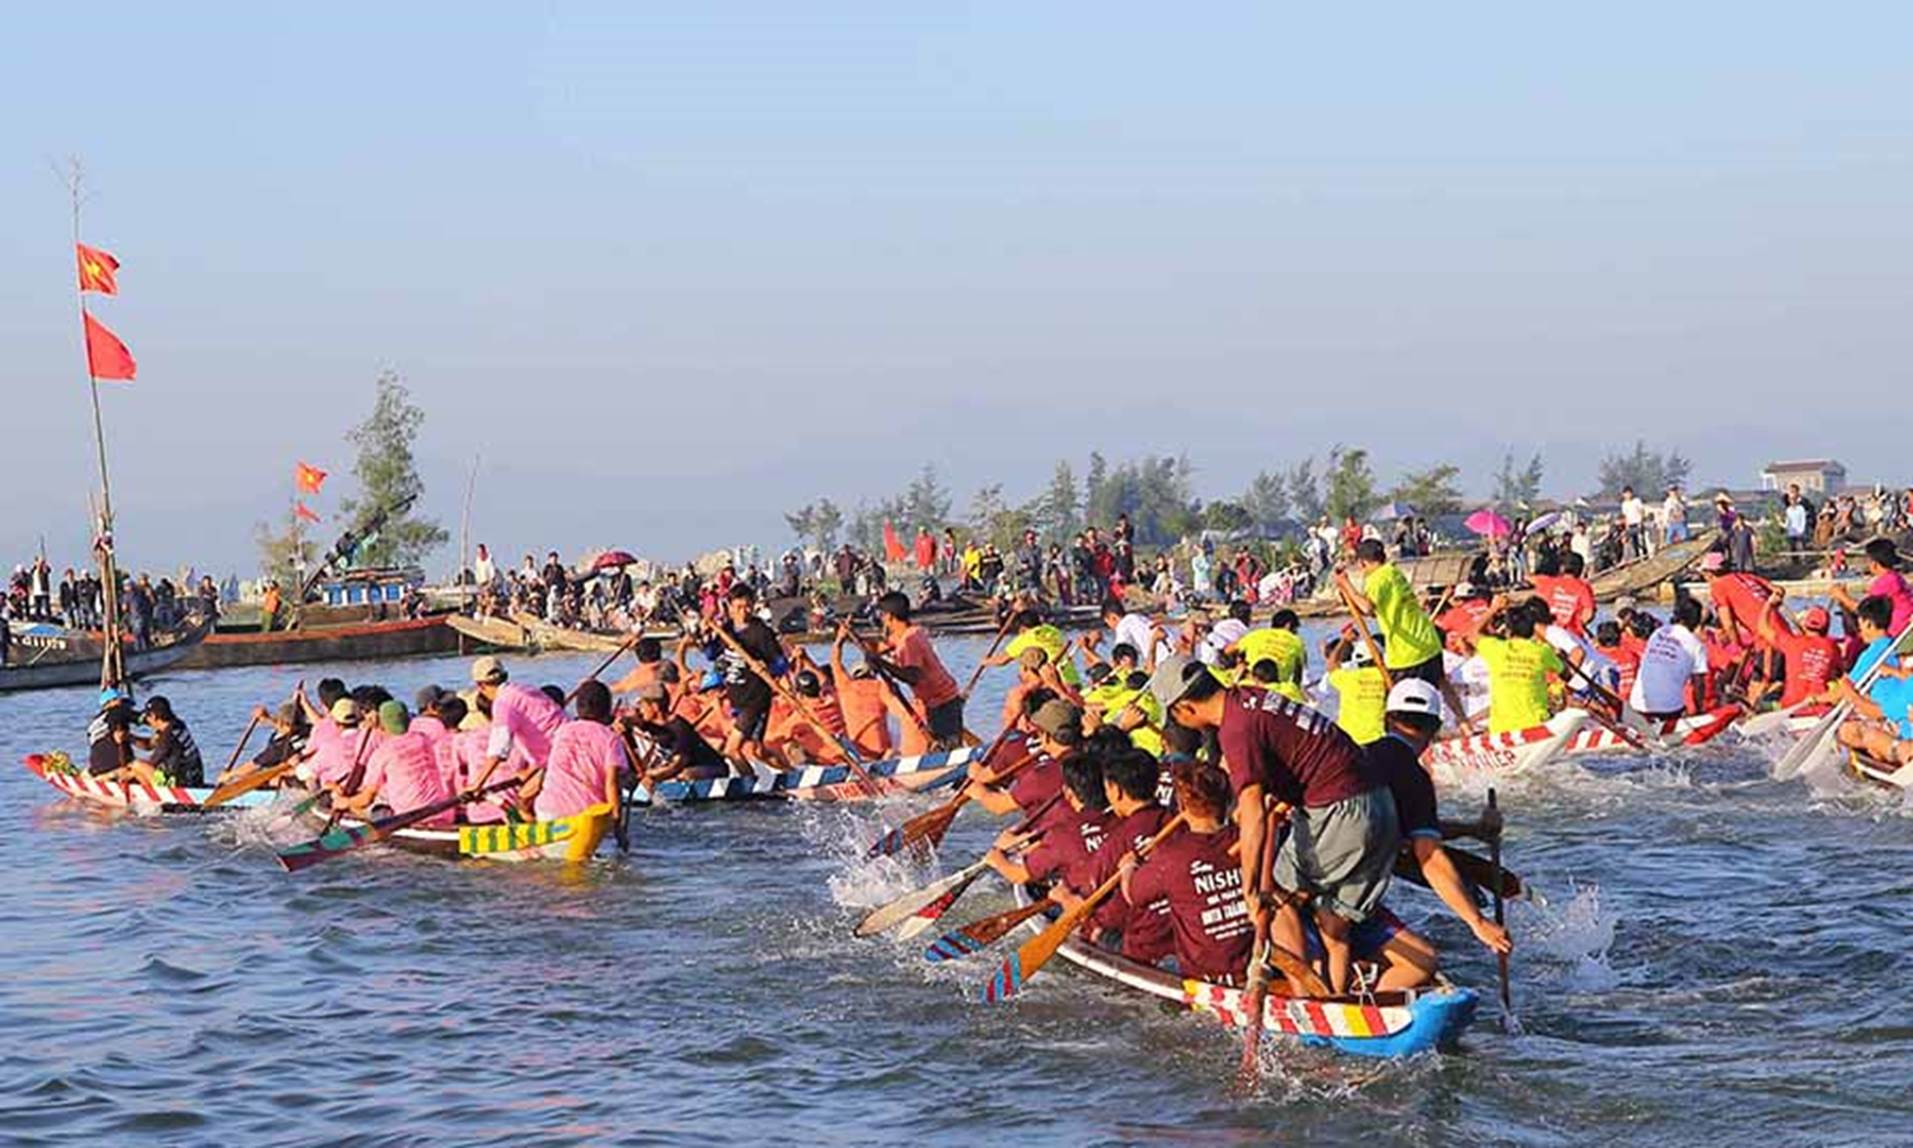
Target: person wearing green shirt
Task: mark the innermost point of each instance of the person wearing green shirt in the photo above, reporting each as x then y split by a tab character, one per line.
1034	633
1414	643
1361	688
1278	642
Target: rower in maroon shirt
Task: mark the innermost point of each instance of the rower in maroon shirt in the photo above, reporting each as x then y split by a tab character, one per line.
1057	728
1196	876
1129	779
1064	856
1343	830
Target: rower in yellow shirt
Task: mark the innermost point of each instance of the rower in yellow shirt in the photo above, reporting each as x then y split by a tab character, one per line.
1279	643
1361	686
1034	633
1414	644
1121	698
1519	667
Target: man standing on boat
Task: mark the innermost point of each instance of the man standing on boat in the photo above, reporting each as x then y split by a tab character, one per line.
748	694
1344	831
909	657
523	720
1414	644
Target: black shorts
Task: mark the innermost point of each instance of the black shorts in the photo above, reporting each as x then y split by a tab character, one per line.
945	723
1430	671
751	718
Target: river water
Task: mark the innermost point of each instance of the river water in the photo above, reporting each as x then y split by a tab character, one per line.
1719	956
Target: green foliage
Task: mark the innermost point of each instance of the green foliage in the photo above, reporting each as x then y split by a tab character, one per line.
1153	491
1227	517
1267	501
817	524
1515	488
1305	491
1650	473
1059	512
285	552
1351	484
926	504
1093	484
1434	491
388	479
994	520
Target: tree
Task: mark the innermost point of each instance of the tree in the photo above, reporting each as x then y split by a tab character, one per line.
1516	488
817	524
926	505
1094	496
1227	517
287	555
1351	485
1647	472
996	521
1431	492
802	520
1267	501
389	483
1305	493
1059	512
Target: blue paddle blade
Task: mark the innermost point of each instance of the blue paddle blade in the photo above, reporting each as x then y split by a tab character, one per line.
1007	982
888	845
951	947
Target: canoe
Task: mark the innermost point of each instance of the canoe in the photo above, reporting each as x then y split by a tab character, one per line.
406	638
1388	1024
82	786
552	637
572	839
493	633
1632	579
917	774
64	661
1685	732
1502	755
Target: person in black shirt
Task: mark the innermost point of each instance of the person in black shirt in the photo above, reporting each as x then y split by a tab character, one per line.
172	756
289	733
109	735
748	694
1413	719
679	751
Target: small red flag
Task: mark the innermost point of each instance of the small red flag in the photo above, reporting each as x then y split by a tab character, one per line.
97	269
308	478
893	550
106	356
304	512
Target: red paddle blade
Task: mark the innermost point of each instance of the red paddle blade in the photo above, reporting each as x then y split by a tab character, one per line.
1007	982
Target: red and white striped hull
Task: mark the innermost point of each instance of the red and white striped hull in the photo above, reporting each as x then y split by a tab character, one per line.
1654	737
1495	755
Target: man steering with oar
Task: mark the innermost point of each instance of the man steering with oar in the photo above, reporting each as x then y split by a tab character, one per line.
907	655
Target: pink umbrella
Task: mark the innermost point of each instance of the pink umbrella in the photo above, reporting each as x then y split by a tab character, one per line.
1487	523
612	558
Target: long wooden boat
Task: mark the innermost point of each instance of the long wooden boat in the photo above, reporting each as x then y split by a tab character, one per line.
1632	579
494	633
1499	755
550	637
77	662
135	794
1687	732
1387	1024
406	638
819	782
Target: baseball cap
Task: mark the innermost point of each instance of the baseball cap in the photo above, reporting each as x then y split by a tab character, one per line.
488	670
110	696
393	718
1172	679
1414	696
1816	619
1055	716
426	698
1713	562
1358	656
345	711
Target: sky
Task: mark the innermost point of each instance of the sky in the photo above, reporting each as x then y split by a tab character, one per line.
662	272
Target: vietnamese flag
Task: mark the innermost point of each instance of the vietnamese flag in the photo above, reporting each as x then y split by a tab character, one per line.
893	550
97	269
304	512
308	478
106	356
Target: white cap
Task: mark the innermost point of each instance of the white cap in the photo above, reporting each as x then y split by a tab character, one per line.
1414	696
1359	657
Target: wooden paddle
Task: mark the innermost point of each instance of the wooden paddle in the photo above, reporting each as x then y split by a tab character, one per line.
339	842
1474	869
791	698
248	783
1002	632
1262	950
357	774
1036	952
927	830
1494	859
238	749
981	934
605	665
934	899
1368	639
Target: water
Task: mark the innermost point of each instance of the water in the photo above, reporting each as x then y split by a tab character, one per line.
1719	955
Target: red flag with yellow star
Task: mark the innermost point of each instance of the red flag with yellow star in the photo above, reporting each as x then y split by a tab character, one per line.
97	270
308	478
106	356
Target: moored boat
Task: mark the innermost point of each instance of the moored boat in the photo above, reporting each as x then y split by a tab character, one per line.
77	662
1501	755
405	638
1386	1024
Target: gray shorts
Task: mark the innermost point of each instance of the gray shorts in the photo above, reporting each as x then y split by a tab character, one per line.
1344	854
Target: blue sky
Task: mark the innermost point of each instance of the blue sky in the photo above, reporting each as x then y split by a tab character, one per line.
672	269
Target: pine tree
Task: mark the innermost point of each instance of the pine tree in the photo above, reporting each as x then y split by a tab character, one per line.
389	483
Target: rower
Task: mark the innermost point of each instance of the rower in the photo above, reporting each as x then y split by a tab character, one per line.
1058	730
1344	833
1121	700
792	734
1033	632
1278	642
1883	562
1195	873
1414	644
109	736
1147	638
679	751
650	654
862	696
1518	669
1063	857
1811	659
1360	688
1672	663
1414	718
749	696
1875	729
1130	777
172	756
1558	581
402	773
425	717
523	720
907	655
288	742
587	758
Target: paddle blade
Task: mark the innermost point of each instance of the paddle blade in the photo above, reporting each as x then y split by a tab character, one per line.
245	785
933	912
1029	960
979	935
1809	752
888	916
924	831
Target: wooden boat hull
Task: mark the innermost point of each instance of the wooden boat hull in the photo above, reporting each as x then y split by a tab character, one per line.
1633	579
84	670
819	782
493	633
1392	1025
551	637
380	641
1499	755
138	795
1657	737
1885	775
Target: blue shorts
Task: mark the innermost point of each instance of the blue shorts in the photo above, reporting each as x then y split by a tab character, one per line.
1365	940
